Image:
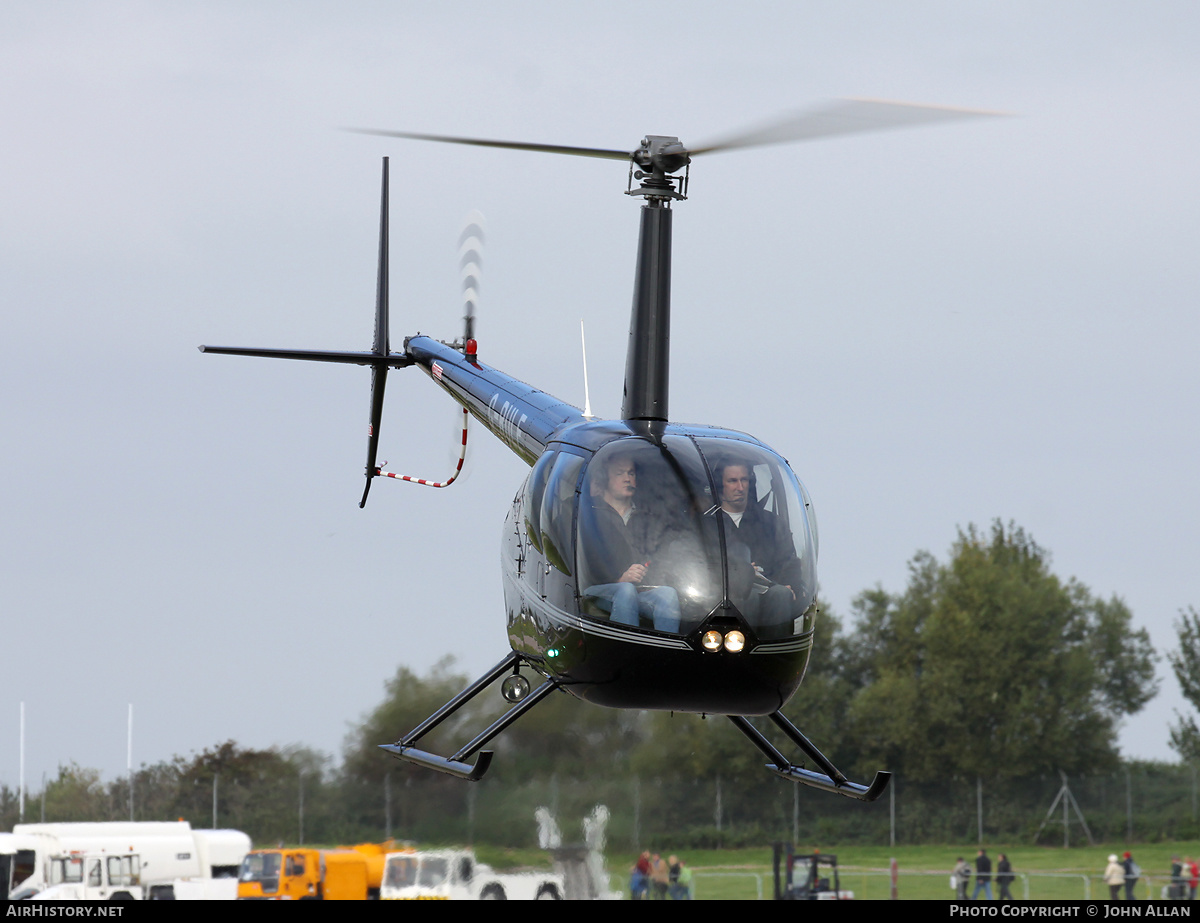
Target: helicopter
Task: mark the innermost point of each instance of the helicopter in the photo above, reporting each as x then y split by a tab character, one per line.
646	564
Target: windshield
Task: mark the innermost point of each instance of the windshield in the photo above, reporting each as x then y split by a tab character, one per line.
68	870
667	531
401	872
124	870
262	867
433	872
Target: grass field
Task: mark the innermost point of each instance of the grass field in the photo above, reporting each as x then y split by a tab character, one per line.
924	871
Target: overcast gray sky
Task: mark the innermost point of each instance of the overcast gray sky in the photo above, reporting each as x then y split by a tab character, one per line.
937	327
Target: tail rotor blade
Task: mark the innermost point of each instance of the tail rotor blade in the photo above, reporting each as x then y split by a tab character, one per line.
470	265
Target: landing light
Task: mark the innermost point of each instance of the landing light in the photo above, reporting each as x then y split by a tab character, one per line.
514	688
733	641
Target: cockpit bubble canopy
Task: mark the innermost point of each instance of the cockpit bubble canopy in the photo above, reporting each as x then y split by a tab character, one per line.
687	522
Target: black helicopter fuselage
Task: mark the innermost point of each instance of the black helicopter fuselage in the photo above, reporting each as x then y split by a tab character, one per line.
552	552
646	564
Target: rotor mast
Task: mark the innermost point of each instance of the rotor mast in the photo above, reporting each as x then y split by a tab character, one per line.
648	360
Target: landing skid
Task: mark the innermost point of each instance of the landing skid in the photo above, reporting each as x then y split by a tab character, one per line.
830	780
457	765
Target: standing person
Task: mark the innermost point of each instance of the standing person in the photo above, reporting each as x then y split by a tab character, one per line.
1132	873
639	878
983	875
681	880
1178	884
660	877
962	878
1193	874
674	867
1114	877
1004	877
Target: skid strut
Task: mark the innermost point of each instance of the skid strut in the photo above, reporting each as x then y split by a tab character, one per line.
457	765
829	779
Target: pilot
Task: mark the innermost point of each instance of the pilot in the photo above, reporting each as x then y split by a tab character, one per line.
619	551
755	536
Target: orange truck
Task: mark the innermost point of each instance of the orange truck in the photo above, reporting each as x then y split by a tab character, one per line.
343	873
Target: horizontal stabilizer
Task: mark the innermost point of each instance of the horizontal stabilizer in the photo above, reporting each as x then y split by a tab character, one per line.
391	360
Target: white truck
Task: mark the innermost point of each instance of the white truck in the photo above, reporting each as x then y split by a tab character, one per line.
92	877
173	860
455	874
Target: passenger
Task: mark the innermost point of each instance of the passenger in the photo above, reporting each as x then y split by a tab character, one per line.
758	539
620	551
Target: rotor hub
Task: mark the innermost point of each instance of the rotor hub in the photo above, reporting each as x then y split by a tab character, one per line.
661	154
657	157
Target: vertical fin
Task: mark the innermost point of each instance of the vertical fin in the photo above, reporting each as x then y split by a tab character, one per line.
381	346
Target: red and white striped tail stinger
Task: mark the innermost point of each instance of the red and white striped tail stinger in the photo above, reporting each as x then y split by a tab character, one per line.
462	455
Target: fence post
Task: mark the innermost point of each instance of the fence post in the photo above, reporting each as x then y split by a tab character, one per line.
979	806
1128	805
892	797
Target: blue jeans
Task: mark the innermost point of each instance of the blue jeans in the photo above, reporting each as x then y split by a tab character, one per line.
626	605
986	885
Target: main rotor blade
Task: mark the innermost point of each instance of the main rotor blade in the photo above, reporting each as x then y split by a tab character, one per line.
604	153
841	117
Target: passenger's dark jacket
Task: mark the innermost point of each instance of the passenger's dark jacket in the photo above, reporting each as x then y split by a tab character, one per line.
769	544
613	544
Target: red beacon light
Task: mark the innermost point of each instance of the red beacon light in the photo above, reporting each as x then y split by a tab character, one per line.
472	350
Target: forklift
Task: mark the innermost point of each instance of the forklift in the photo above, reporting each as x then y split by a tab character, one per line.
798	877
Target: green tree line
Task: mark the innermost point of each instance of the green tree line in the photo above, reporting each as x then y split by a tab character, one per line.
986	673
